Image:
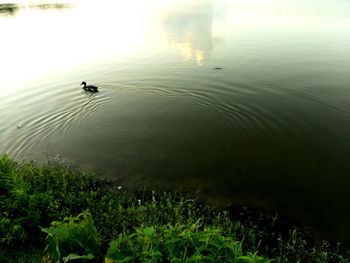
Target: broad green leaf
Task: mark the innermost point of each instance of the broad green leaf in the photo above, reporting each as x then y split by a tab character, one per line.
148	231
61	232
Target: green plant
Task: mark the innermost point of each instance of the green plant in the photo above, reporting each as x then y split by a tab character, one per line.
19	208
252	258
179	243
33	195
73	238
176	224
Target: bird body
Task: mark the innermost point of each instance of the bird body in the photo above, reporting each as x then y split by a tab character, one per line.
89	88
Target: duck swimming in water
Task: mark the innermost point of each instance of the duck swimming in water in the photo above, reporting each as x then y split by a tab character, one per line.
89	88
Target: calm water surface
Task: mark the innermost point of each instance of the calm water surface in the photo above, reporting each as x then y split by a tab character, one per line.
270	128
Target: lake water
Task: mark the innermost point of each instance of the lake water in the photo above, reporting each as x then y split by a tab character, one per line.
246	101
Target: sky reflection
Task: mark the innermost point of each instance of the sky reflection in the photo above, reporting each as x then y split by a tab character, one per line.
39	41
42	41
195	42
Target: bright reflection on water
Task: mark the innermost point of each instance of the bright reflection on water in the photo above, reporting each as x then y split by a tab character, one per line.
269	128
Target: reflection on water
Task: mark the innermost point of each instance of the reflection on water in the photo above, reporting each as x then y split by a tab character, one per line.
45	6
188	28
269	129
8	9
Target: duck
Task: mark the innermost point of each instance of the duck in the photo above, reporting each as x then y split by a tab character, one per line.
89	88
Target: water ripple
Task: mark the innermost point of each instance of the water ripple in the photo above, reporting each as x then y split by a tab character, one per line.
46	114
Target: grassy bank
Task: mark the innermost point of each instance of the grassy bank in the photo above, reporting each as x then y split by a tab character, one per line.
53	213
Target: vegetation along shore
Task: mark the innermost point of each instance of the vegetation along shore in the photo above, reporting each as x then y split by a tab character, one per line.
54	213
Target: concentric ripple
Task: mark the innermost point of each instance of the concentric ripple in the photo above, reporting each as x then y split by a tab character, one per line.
44	114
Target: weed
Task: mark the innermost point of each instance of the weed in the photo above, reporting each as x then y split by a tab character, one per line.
179	243
73	238
142	225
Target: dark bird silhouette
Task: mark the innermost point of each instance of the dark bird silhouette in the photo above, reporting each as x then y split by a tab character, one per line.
89	88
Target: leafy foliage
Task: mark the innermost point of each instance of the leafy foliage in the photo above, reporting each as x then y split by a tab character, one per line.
179	243
152	224
73	238
33	195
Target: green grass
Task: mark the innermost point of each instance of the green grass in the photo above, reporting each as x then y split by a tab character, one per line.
61	214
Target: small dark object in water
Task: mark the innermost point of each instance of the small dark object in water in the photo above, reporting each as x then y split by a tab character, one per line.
217	68
89	88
